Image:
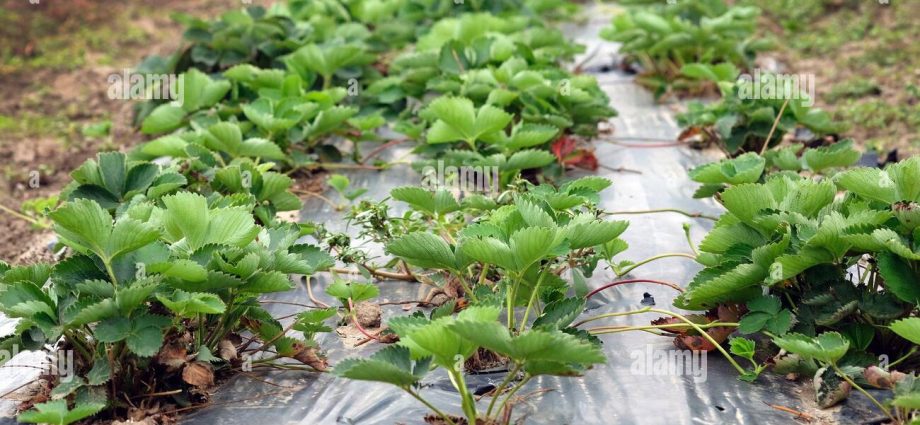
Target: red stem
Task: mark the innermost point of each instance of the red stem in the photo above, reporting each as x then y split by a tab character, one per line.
354	319
381	148
623	282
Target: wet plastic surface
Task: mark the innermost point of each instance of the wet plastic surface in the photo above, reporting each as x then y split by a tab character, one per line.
623	391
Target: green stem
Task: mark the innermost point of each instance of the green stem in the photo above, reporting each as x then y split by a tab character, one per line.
663	210
466	287
514	390
617	314
650	259
860	389
690	240
680	317
912	351
20	215
705	335
468	403
616	329
483	274
533	295
110	271
501	388
509	300
200	331
78	343
429	405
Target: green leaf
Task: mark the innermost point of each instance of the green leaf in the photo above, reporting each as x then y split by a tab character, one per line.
391	365
424	249
753	322
100	373
190	304
113	330
560	314
531	244
57	413
356	291
907	401
85	223
436	339
583	235
180	269
95	312
746	168
456	120
330	119
768	304
173	146
145	341
900	279
489	250
742	347
420	199
908	329
530	135
532	345
829	347
265	282
200	91
746	200
188	217
869	183
534	215
528	159
338	182
840	154
163	119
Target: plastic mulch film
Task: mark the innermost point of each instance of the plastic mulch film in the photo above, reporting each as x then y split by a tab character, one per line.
631	388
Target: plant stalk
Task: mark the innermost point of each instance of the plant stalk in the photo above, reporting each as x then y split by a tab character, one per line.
650	259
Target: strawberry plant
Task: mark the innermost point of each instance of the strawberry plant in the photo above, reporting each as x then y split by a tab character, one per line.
514	255
445	342
158	284
662	40
740	123
833	263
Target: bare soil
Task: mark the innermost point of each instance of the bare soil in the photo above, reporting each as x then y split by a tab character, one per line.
53	82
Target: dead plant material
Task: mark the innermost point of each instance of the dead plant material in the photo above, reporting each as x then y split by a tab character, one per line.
198	374
880	378
310	356
226	349
172	355
484	359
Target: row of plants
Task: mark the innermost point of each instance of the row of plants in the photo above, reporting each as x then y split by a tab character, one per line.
318	78
660	38
814	259
168	249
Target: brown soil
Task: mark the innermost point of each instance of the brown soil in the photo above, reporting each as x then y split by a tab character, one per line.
884	55
67	98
